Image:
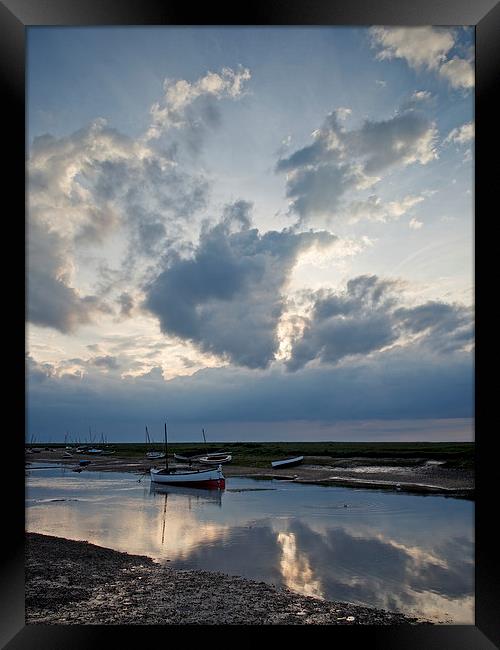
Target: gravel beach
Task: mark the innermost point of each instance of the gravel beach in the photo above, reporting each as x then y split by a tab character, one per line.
71	582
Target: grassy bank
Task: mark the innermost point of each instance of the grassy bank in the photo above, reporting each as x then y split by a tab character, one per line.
260	454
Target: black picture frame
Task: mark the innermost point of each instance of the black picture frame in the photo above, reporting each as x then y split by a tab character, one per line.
15	17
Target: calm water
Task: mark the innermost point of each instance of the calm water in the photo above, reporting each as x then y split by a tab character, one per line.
407	553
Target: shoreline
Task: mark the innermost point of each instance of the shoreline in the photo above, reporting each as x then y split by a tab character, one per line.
355	473
75	582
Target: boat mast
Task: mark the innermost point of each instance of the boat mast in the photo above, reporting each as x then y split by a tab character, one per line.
166	452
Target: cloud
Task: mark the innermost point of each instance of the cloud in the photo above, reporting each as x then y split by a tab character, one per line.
97	183
126	303
341	160
424	48
373	209
185	105
366	319
446	327
52	301
417	100
415	224
108	362
461	134
401	384
419	46
227	298
458	72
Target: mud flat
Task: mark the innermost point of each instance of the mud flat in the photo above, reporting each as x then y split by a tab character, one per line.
70	582
406	475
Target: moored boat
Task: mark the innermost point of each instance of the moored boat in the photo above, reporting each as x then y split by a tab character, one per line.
152	455
287	462
196	453
155	455
214	459
208	478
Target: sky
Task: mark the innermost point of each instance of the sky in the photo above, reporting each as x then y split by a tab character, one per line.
265	232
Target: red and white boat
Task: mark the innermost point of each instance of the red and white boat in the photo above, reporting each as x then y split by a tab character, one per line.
203	478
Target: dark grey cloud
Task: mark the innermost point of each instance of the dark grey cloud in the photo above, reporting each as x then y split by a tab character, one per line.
447	327
52	301
228	297
397	385
366	318
107	361
340	160
126	302
405	138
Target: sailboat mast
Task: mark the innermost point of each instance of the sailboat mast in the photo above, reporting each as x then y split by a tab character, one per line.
166	451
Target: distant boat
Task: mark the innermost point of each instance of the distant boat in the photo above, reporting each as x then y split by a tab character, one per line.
195	454
152	455
67	454
215	459
205	457
94	451
288	462
208	478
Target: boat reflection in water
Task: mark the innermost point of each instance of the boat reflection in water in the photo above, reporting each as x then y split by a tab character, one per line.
191	494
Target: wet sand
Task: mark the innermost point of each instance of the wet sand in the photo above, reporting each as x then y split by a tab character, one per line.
70	582
417	476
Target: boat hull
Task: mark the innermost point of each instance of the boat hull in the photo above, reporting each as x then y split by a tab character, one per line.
291	462
194	455
207	460
212	478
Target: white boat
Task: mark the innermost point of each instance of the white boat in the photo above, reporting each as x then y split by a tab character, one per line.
203	478
94	451
191	455
288	462
155	455
214	459
206	478
152	455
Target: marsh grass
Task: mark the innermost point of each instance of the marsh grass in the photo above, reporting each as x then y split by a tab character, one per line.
260	454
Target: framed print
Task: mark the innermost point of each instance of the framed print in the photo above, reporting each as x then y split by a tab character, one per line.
250	395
